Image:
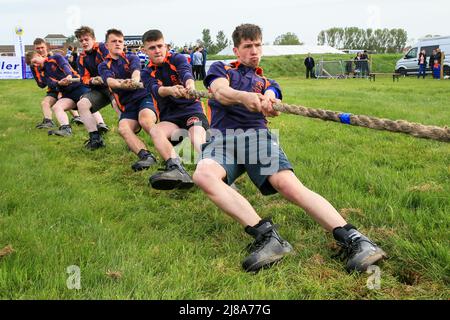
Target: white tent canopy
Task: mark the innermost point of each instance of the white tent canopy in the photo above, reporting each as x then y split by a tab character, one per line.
271	50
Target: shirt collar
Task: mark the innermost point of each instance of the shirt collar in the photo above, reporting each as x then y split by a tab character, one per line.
95	48
238	65
166	60
109	57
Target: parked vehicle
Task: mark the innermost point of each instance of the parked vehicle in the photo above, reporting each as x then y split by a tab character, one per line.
409	63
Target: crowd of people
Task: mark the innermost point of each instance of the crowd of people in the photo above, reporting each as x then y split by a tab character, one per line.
196	56
161	99
434	63
358	67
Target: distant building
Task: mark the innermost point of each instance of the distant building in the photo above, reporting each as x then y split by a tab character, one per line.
56	40
8	50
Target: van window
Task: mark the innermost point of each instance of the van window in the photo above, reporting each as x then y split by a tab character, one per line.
412	54
429	49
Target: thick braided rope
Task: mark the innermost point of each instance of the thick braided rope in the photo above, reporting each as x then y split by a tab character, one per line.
414	129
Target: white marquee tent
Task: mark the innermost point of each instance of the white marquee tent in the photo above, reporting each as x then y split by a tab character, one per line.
271	50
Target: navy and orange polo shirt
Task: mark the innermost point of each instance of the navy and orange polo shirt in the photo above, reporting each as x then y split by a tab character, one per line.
38	77
57	68
88	62
241	78
175	70
122	68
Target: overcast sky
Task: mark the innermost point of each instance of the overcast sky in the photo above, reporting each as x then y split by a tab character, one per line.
182	21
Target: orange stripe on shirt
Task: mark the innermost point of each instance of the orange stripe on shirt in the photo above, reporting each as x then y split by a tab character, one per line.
86	76
121	106
208	113
38	74
155	104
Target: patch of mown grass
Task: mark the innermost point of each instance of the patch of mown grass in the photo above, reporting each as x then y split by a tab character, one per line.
61	205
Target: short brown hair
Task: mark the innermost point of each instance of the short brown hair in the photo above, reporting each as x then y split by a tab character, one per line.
152	35
29	56
38	41
246	31
84	30
114	32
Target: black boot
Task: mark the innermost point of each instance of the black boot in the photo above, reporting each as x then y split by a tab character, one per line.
146	160
174	176
95	141
357	249
45	124
102	128
77	120
63	131
267	248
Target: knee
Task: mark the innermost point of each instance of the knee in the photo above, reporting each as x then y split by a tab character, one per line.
155	133
84	104
124	130
285	182
45	104
204	174
147	121
56	107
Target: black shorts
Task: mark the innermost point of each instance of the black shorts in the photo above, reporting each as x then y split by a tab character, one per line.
99	98
187	122
53	94
76	94
256	152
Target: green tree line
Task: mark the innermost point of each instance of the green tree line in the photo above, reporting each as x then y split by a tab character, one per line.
379	40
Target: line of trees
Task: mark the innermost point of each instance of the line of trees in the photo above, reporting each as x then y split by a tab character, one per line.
286	39
379	40
214	47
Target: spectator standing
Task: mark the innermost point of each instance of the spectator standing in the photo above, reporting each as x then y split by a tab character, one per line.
197	63
436	69
185	50
364	64
431	62
438	55
309	64
204	54
422	64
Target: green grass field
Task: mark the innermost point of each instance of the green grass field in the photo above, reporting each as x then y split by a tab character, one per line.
61	205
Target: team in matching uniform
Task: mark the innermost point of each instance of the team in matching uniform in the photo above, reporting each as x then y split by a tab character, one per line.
159	99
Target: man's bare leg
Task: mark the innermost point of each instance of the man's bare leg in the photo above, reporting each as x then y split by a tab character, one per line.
98	117
46	106
175	175
60	108
197	134
161	134
84	108
127	129
288	185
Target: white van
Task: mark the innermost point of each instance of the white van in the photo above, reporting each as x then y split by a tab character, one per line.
409	63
